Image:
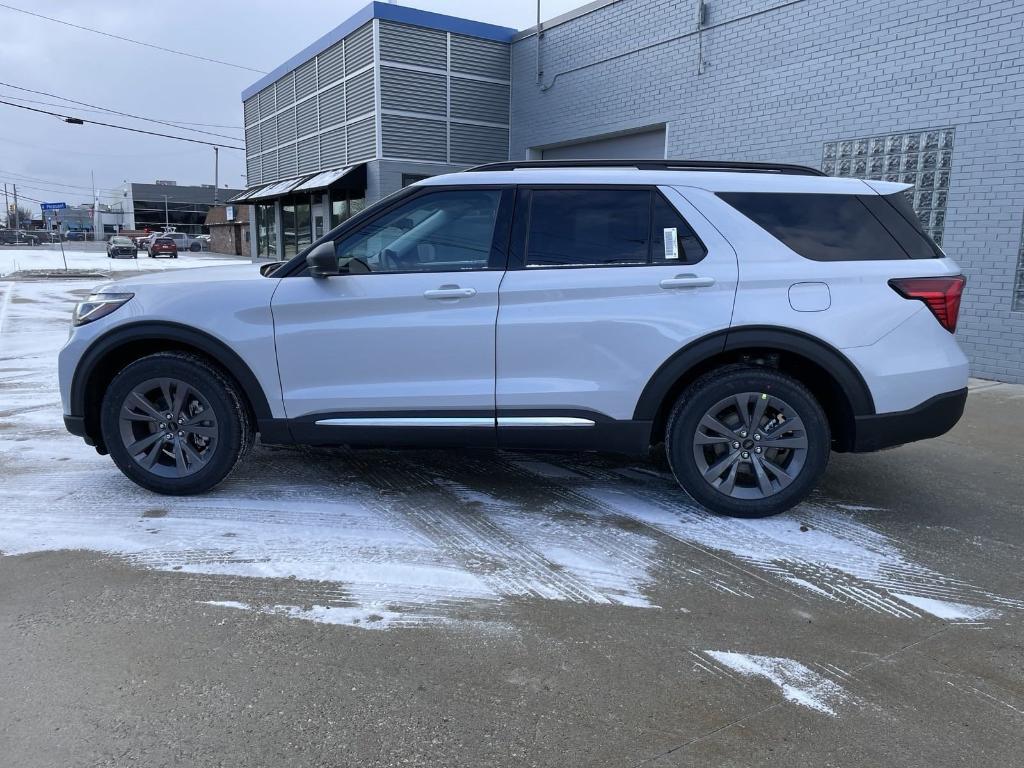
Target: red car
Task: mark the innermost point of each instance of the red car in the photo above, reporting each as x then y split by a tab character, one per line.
163	246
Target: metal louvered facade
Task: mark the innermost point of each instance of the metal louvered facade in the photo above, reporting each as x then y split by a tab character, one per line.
383	90
390	95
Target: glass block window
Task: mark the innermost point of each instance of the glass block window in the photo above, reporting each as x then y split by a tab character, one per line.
921	158
1018	287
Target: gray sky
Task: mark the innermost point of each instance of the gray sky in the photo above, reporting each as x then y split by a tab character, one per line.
40	153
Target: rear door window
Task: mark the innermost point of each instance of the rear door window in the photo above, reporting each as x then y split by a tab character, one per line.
832	227
606	227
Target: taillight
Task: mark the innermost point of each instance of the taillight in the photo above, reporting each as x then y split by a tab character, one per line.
940	294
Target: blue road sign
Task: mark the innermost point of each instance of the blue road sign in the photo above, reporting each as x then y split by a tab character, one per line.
53	206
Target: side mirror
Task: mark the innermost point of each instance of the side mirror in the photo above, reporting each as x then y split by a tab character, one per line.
322	260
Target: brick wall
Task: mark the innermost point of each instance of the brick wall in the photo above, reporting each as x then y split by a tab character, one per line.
790	76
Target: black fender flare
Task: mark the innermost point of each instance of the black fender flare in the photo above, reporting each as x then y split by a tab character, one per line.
766	337
174	332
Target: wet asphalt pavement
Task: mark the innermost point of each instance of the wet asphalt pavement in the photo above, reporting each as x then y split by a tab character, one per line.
336	608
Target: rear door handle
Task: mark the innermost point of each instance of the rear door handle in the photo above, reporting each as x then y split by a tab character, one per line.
687	281
449	292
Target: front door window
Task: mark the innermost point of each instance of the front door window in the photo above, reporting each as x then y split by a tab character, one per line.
444	231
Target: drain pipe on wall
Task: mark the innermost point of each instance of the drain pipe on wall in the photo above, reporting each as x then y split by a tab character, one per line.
701	28
540	34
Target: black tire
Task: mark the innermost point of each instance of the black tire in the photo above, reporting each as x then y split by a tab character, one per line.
703	396
195	247
232	431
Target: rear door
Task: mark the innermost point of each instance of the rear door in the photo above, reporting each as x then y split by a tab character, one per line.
604	285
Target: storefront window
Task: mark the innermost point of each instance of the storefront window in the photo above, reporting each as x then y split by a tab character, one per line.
266	232
288	230
339	209
303	227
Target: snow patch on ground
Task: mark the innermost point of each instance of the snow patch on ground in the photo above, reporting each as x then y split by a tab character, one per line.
944	609
798	684
419	536
356	616
46	258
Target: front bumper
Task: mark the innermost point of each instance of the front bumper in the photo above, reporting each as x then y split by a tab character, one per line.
934	417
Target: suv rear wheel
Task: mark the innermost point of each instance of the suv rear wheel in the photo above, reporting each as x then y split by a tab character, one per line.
747	442
174	423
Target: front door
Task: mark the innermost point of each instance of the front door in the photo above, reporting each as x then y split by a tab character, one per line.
604	286
410	343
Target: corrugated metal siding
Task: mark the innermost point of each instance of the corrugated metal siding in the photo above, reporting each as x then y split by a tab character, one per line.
332	106
252	140
359	48
286	126
332	148
359	95
284	90
270	167
478	100
331	64
478	143
412	91
362	141
268	134
305	117
485	58
414	138
413	45
253	170
287	161
251	109
309	154
305	79
267	103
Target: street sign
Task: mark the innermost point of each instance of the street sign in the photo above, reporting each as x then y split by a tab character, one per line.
53	206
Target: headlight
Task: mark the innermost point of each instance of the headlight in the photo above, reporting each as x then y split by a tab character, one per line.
98	305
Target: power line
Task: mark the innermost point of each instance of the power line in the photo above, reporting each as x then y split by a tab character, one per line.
123	39
28	179
101	111
80	120
111	111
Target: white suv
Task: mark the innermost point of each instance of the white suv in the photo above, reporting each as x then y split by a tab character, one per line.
751	317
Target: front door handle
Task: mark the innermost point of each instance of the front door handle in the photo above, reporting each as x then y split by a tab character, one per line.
449	292
687	281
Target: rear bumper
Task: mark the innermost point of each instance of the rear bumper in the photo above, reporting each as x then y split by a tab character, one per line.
934	417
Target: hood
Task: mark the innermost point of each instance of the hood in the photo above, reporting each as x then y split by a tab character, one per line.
189	276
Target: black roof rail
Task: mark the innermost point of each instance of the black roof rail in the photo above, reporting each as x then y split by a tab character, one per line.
738	166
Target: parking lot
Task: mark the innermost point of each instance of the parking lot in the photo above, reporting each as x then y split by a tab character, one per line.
377	608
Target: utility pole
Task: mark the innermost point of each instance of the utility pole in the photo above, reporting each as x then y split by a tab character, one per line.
167	218
7	208
17	214
216	172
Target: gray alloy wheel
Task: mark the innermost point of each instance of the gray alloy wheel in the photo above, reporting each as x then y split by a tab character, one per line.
168	427
750	446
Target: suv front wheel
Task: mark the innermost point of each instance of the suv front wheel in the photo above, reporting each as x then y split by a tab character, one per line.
174	423
747	442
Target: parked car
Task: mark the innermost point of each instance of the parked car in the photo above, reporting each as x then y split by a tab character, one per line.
750	318
163	246
76	236
18	237
122	247
184	241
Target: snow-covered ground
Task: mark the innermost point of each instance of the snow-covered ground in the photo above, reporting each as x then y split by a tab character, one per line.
380	539
78	258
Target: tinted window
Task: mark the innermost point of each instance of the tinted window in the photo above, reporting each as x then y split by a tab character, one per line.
443	231
819	227
573	227
895	212
669	227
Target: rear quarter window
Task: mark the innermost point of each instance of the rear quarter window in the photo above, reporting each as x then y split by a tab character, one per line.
825	227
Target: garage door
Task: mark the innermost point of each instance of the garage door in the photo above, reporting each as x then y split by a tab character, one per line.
648	145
